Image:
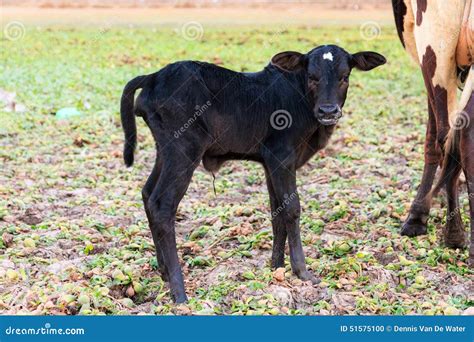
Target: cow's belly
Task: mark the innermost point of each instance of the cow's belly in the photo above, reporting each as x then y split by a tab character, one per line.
465	48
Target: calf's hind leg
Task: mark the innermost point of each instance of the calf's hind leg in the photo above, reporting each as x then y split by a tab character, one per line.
146	193
176	173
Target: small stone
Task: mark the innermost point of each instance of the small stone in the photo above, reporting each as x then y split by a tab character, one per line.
282	295
84	299
31	217
420	279
8	218
118	275
12	275
127	302
137	287
7	239
130	291
279	274
49	304
67	298
451	310
28	242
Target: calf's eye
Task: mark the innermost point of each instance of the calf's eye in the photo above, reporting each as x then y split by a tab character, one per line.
345	79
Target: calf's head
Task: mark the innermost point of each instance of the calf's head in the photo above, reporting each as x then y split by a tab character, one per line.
326	72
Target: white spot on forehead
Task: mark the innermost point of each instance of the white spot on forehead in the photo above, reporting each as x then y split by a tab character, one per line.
328	56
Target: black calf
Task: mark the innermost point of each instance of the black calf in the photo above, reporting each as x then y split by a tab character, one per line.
280	117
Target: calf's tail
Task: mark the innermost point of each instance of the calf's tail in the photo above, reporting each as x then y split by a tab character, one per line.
127	117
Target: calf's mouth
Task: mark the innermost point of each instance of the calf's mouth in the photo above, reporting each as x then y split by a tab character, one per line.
329	120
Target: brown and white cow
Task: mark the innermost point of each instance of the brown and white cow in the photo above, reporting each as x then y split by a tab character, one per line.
439	35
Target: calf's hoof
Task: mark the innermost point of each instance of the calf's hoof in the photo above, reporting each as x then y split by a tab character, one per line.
413	228
308	276
278	263
164	276
179	298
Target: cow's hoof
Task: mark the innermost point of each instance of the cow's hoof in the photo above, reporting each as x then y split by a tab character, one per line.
308	276
454	234
456	241
413	228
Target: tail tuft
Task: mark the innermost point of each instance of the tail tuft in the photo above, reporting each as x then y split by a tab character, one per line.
451	166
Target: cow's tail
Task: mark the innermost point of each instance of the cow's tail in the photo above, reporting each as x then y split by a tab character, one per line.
127	116
451	163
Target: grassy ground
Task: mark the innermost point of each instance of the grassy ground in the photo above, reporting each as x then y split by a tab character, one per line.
74	234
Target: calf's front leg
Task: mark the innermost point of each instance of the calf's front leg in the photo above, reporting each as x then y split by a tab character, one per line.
279	231
287	213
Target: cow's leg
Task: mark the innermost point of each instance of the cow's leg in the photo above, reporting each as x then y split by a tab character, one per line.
279	231
460	155
176	173
146	193
416	223
283	178
467	157
435	31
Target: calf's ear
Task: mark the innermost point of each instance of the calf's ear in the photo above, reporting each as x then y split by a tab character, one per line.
367	60
289	61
